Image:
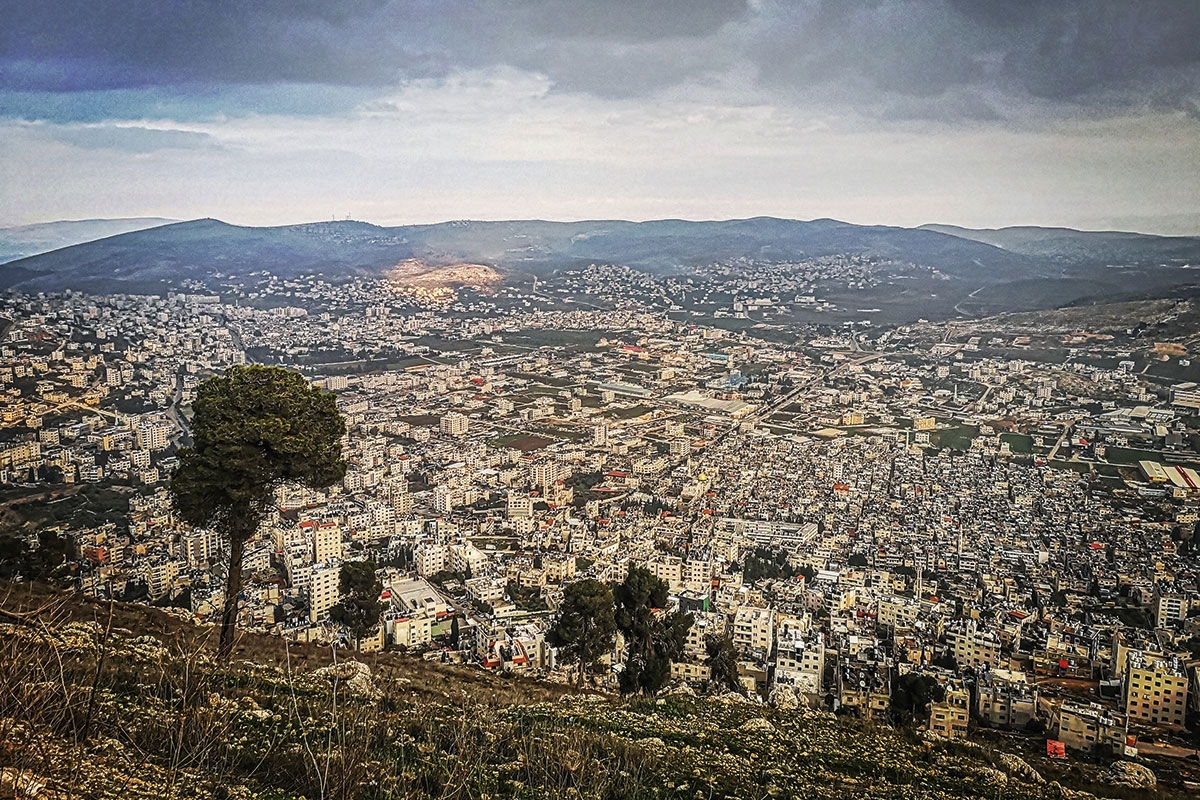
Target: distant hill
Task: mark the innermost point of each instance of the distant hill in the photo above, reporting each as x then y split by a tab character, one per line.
970	271
160	257
29	240
1096	248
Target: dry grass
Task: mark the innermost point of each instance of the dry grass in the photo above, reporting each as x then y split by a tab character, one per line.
423	680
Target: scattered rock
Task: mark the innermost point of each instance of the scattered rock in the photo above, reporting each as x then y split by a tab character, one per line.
1018	767
784	698
1127	773
1058	790
730	698
992	776
582	698
757	725
353	675
652	743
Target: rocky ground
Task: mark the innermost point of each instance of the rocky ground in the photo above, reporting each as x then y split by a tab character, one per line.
92	710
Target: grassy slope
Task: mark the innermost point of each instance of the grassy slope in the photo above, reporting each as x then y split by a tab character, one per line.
167	722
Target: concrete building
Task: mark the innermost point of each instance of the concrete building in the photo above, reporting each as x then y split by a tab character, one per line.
1005	699
326	539
754	630
1170	607
324	590
1091	728
454	424
1156	690
972	647
949	717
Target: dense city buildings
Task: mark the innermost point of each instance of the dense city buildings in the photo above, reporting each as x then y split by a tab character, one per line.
1005	506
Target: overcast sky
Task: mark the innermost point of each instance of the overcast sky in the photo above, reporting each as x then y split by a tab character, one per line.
974	112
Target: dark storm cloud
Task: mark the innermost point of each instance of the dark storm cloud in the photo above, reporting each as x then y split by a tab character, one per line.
69	45
76	45
1093	54
968	60
628	20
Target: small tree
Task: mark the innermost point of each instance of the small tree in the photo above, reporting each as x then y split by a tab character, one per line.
722	659
585	628
911	695
654	638
254	429
359	607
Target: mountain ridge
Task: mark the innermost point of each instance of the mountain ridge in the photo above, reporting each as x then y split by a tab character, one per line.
1067	245
20	241
1069	265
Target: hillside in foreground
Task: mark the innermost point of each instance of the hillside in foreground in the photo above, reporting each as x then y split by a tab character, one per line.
91	708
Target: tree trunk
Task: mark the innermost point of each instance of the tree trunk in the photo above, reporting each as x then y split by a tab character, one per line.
582	649
233	587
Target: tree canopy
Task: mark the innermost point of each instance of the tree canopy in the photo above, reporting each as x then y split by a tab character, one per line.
41	560
911	695
254	429
586	627
359	607
722	659
654	638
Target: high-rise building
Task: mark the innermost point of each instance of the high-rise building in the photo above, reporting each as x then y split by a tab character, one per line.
600	434
544	472
520	505
454	424
154	435
1156	690
444	499
429	559
324	590
1169	607
327	541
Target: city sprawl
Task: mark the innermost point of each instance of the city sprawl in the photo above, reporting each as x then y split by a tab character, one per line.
1006	505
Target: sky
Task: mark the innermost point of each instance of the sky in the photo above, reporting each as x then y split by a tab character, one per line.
983	113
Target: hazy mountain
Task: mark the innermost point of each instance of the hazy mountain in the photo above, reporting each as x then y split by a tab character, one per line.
161	257
1098	248
28	240
971	272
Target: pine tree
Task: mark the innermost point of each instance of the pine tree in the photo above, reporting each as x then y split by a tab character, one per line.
359	607
254	429
585	628
654	638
